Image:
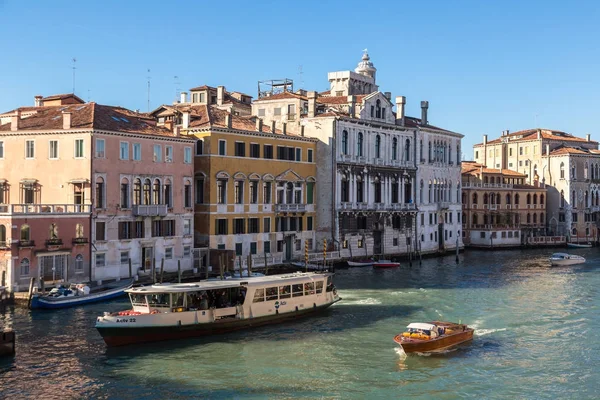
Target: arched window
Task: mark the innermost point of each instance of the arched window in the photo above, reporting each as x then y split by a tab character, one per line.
99	192
421	151
345	142
430	192
535	198
137	191
528	198
475	219
464	198
498	180
156	192
485	198
407	150
542	219
2	236
507	198
124	193
199	147
517	200
421	192
485	179
187	194
474	198
586	204
534	218
168	197
359	145
394	149
429	151
562	170
541	199
24	267
78	262
562	198
79	231
25	233
492	198
498	199
585	171
378	108
528	218
573	199
573	172
147	189
377	146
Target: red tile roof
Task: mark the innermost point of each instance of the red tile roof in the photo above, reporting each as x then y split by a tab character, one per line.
473	168
531	134
338	99
203	87
90	116
282	96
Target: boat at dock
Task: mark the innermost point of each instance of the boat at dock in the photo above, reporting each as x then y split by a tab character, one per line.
75	295
360	263
386	264
579	245
566	259
433	336
177	311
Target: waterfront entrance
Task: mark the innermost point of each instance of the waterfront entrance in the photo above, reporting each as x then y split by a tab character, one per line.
288	248
54	267
147	258
377	248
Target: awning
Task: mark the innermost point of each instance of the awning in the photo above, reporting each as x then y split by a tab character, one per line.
29	181
79	180
3	181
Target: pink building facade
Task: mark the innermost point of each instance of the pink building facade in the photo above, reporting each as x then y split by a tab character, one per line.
86	187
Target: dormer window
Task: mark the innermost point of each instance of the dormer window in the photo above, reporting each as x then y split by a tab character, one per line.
378	109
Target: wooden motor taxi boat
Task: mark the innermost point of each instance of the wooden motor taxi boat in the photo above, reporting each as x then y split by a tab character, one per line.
566	259
433	336
385	264
184	310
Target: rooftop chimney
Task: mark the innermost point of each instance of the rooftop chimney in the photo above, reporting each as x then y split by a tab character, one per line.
400	102
484	139
228	120
587	137
37	100
539	134
220	95
424	107
259	123
284	128
183	97
185	120
272	126
388	95
312	104
15	121
351	105
66	120
547	149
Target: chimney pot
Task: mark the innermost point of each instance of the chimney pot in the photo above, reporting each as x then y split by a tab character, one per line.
424	107
484	139
587	137
185	120
400	102
220	95
66	120
38	100
228	120
259	123
183	97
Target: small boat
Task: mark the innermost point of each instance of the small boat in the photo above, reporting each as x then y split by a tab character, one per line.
385	264
75	295
433	336
360	263
566	259
185	310
579	245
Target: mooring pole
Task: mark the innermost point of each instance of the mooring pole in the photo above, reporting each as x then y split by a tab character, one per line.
179	271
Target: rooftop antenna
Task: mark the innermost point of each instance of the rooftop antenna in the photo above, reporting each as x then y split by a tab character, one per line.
301	75
148	77
88	95
74	61
177	90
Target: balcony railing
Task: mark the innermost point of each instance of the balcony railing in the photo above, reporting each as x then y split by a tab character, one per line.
54	242
150	210
80	240
26	243
291	117
46	209
290	207
467	185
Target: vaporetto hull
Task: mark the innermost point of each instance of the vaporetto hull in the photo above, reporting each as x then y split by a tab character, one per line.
120	337
177	311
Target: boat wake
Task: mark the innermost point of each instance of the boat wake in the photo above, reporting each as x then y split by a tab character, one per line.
400	351
483	332
368	301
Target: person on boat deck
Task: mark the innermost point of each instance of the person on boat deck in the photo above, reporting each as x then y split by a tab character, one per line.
204	301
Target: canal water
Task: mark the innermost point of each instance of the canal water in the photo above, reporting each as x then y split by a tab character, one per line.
536	337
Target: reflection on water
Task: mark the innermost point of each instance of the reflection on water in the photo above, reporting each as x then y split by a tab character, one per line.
530	319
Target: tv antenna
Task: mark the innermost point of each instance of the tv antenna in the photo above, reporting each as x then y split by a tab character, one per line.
177	90
301	76
148	77
74	68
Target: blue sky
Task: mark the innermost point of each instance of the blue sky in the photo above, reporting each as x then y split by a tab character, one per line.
484	66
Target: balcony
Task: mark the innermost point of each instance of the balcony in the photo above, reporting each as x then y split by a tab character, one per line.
346	158
54	242
402	206
291	117
290	207
379	161
23	209
80	240
26	243
150	210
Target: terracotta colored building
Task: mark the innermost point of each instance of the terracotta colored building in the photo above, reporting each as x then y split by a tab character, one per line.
85	187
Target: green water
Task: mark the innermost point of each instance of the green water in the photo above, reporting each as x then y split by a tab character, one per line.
536	337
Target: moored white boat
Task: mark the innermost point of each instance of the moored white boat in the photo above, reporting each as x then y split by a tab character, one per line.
566	259
361	263
176	311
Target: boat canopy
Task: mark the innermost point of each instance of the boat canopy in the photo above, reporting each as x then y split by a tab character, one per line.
560	255
421	325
